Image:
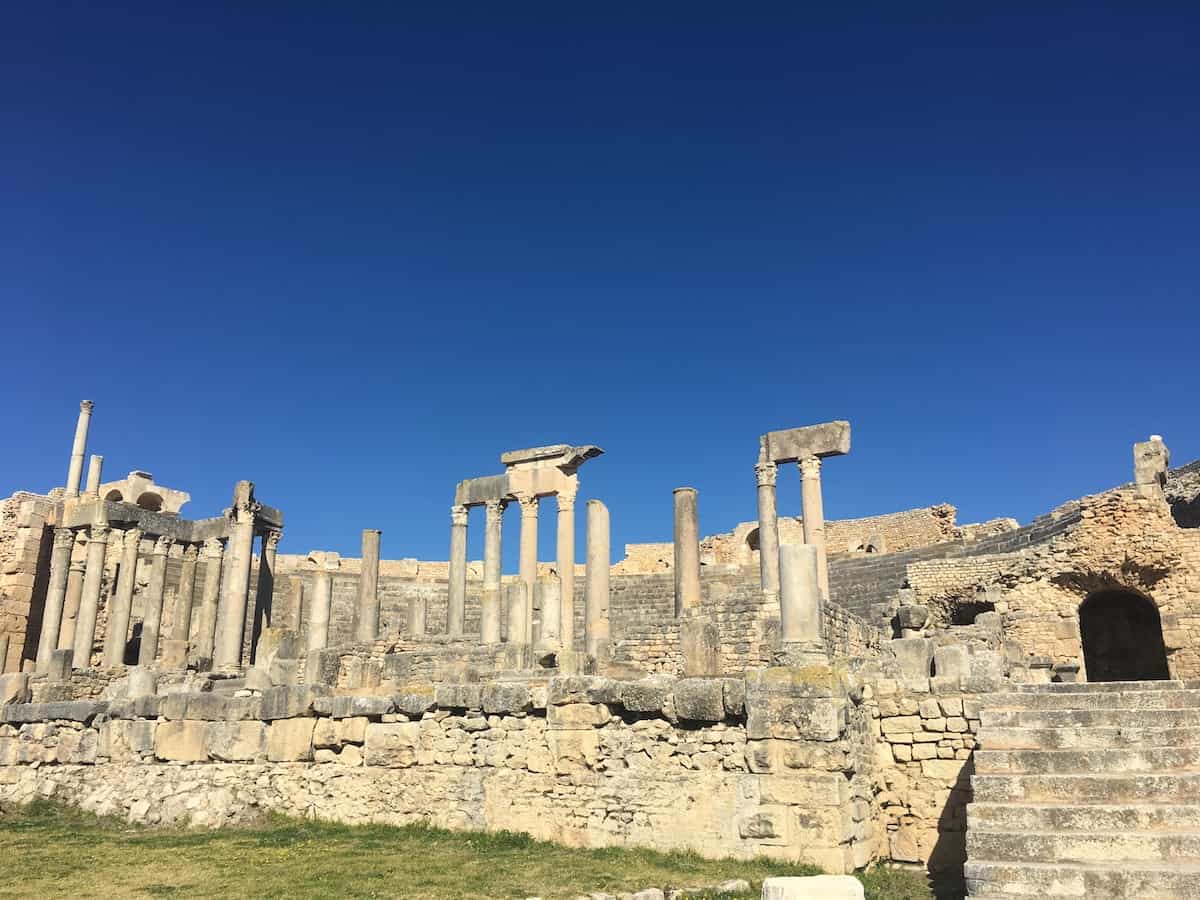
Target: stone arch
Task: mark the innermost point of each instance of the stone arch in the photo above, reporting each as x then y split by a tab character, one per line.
1121	633
151	501
752	540
115	496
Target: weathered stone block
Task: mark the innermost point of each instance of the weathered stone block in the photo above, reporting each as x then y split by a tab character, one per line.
951	661
577	715
124	740
353	730
700	699
67	710
325	735
646	694
915	656
700	643
180	741
735	697
415	700
583	689
459	696
290	740
14	687
505	698
289	701
346	707
78	747
391	744
236	741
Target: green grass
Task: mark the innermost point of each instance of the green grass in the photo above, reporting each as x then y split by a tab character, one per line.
51	850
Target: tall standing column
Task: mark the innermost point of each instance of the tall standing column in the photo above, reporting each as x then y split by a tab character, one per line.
89	604
152	616
210	598
599	559
318	617
367	615
70	616
75	470
181	627
566	563
457	597
528	570
687	551
768	529
122	606
231	614
814	516
56	594
489	617
800	627
264	594
95	464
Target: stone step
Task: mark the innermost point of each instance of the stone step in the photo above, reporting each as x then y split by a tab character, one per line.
1165	816
1122	761
1057	718
1083	847
1119	881
1103	687
1088	788
1179	698
1074	737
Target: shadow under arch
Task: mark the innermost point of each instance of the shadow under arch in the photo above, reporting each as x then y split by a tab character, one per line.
1121	632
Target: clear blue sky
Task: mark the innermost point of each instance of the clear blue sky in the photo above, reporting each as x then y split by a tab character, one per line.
353	253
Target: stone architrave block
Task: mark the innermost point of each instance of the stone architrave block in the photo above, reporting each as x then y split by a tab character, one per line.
415	700
236	741
346	707
459	696
700	699
505	698
291	700
180	741
646	694
290	740
795	444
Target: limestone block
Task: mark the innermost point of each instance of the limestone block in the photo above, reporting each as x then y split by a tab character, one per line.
351	755
574	746
180	741
391	744
64	710
700	699
700	643
986	672
576	662
577	715
322	666
951	661
505	698
915	656
813	887
289	701
459	696
583	689
325	735
173	654
140	682
415	700
14	688
734	696
290	740
123	740
236	741
913	617
78	747
9	751
646	694
348	707
353	730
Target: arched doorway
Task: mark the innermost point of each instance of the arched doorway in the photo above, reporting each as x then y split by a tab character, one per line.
1122	637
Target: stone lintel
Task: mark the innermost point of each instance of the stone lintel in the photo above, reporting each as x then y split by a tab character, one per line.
793	444
563	456
478	491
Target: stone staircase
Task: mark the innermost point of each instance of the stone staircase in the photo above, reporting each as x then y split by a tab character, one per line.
1087	790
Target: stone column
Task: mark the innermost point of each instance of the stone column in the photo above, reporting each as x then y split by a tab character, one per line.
800	628
181	627
95	465
231	614
75	470
687	551
529	546
152	616
457	595
518	612
367	617
264	595
566	563
814	516
318	616
210	598
89	604
768	528
599	560
550	601
56	593
418	614
489	619
118	616
66	631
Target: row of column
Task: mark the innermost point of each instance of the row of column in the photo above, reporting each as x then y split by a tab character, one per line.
812	519
73	597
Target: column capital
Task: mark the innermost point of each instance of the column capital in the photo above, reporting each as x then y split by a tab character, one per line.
98	534
86	406
191	552
162	545
810	467
529	504
271	539
214	548
133	537
766	473
496	506
64	538
458	515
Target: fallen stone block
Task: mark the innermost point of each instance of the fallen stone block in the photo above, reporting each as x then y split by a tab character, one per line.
813	887
65	711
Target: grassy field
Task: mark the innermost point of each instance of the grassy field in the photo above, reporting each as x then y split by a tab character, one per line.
50	850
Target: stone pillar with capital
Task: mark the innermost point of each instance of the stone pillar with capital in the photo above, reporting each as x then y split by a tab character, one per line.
366	617
56	594
566	561
122	605
75	469
152	616
264	594
765	473
490	613
814	516
528	564
231	614
70	616
457	595
599	560
213	554
89	603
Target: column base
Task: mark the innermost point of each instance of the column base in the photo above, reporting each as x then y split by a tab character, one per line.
802	654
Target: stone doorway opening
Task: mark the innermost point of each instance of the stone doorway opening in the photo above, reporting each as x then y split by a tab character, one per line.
1122	637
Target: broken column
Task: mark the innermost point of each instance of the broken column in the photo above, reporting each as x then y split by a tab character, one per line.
206	624
95	464
1150	462
566	561
66	631
318	617
152	615
89	602
687	551
599	559
367	611
56	591
457	594
118	615
231	614
75	469
489	614
800	628
814	516
528	564
765	472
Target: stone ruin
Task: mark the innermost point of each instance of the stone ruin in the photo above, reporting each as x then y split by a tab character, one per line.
1011	707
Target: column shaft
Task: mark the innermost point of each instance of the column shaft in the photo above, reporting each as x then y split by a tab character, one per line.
89	604
122	605
318	617
599	560
457	594
566	569
210	599
95	464
800	598
264	594
518	612
528	556
56	594
418	614
152	614
181	626
66	631
231	614
367	618
489	618
549	599
814	516
768	529
75	469
687	550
